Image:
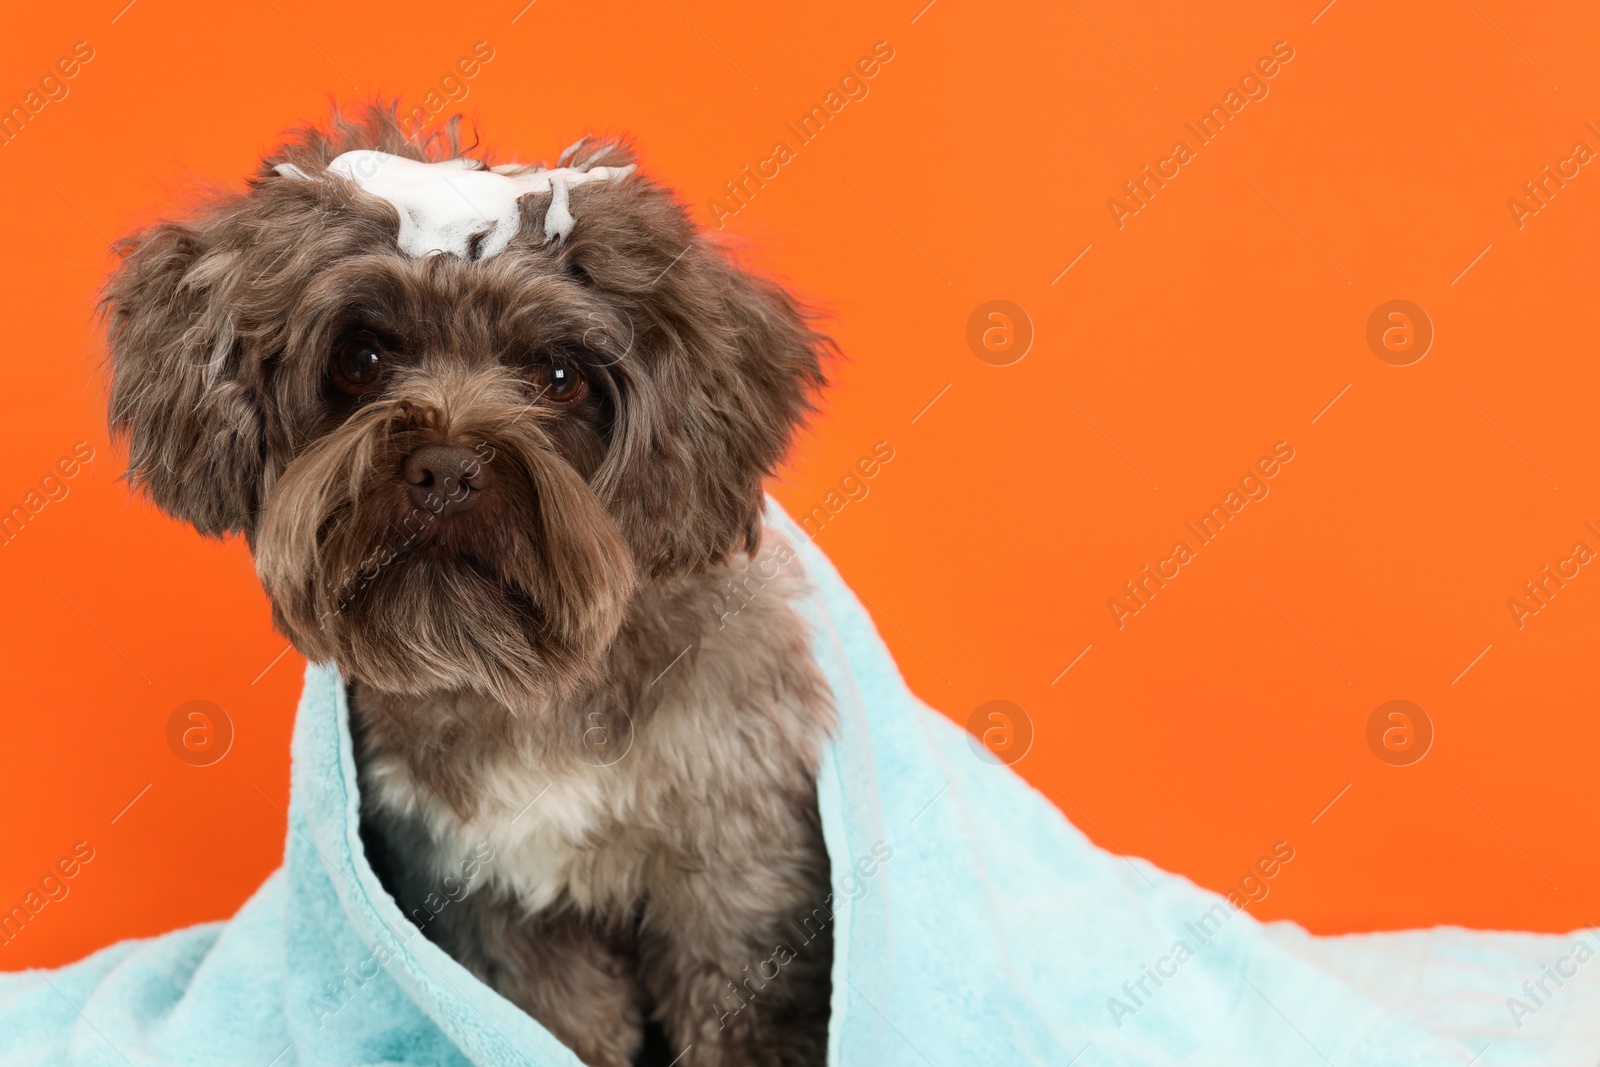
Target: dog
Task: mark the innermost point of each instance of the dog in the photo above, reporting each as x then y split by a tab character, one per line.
496	437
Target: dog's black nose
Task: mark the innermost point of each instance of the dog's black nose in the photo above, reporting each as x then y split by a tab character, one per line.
446	479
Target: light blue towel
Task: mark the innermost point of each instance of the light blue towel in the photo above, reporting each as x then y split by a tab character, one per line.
974	925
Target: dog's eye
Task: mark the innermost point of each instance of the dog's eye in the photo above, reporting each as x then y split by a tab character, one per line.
356	364
558	380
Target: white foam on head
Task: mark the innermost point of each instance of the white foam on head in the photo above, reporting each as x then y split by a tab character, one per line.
457	207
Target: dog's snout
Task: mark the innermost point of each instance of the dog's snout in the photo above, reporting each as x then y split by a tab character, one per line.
445	479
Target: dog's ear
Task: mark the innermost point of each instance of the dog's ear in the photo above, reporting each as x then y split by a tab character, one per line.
722	369
196	311
181	397
779	363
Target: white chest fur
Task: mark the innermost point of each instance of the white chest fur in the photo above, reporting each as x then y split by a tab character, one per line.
548	831
589	832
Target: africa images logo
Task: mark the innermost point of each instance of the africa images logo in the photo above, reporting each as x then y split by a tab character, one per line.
1252	486
1208	127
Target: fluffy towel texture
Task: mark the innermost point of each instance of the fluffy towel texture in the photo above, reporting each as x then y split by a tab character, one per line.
994	933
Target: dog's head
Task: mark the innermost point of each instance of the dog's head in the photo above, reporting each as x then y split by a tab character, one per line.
459	413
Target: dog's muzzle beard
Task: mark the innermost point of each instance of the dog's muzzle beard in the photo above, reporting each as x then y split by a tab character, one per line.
515	597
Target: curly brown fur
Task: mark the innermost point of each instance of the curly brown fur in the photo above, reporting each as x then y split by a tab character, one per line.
524	592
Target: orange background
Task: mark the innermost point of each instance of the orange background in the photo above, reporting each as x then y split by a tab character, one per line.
1221	319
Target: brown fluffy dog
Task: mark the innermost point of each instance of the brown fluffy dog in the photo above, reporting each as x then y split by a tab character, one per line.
507	494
